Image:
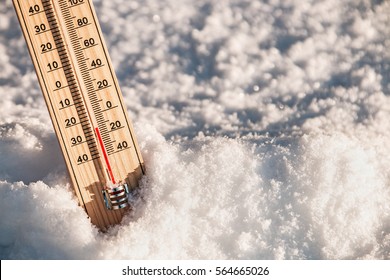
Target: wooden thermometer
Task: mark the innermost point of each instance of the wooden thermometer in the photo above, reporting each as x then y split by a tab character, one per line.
85	103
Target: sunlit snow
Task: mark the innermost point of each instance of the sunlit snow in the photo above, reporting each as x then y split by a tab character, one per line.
264	125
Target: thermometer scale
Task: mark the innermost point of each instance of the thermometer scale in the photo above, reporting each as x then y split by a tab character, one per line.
84	102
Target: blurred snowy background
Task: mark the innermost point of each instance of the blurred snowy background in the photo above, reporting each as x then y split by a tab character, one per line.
264	125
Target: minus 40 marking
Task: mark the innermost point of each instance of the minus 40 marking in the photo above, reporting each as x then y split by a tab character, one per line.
122	145
84	158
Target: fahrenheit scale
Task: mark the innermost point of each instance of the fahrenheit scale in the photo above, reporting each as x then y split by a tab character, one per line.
85	103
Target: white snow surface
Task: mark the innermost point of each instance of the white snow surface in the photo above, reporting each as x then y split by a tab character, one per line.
264	125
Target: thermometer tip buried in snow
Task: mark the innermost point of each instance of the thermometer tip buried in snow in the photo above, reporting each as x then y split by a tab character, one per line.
116	197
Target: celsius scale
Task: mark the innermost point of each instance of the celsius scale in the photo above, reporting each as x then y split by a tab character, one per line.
85	104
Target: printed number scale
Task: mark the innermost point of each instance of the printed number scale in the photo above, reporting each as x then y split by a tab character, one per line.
85	103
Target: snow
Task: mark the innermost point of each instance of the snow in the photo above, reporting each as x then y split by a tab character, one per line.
264	126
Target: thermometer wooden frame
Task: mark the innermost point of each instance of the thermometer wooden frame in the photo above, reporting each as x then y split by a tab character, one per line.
85	103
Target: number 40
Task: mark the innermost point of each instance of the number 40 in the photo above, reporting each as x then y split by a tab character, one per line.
122	145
